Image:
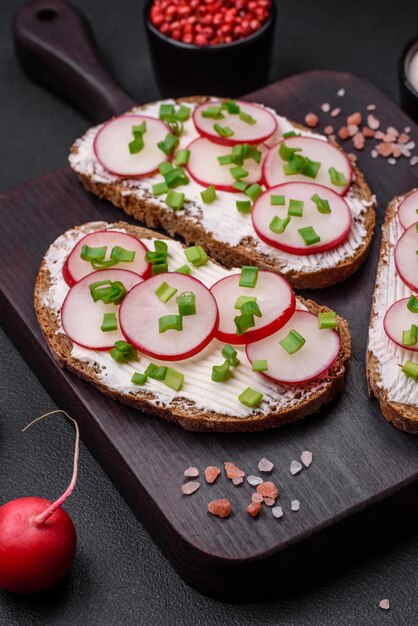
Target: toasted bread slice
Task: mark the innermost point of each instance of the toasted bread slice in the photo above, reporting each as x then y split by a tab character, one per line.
397	395
219	228
201	405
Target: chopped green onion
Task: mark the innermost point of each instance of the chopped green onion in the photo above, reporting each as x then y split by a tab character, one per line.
286	153
93	254
337	178
240	185
182	113
123	352
186	303
231	106
214	113
109	323
169	144
250	397
220	372
249	276
290	133
412	304
251	152
309	235
321	204
294	165
196	256
174	379
253	191
292	342
310	168
327	319
164	292
165	167
242	300
99	265
237	154
260	366
277	200
107	291
158	258
159	188
247	118
410	369
238	172
182	157
251	308
176	126
170	322
157	372
138	378
243	323
209	194
137	144
243	206
166	111
184	269
231	355
176	177
174	199
410	337
159	268
295	208
278	225
121	255
225	159
161	246
223	131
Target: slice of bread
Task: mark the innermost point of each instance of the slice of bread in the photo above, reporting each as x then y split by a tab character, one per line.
397	395
226	234
202	405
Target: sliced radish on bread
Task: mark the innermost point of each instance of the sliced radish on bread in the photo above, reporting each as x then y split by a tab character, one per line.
112	145
408	209
406	257
301	218
75	267
82	317
251	124
273	295
205	169
311	361
318	151
398	322
142	309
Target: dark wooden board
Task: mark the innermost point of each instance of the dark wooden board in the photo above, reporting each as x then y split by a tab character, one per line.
362	465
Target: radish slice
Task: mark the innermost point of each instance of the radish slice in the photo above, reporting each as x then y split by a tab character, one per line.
81	317
316	150
408	209
141	310
275	299
205	169
264	127
76	268
406	257
332	228
111	145
311	361
397	319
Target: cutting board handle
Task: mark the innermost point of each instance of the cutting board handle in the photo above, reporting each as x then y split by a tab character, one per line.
56	47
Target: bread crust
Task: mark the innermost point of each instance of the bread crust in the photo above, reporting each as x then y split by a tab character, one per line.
182	412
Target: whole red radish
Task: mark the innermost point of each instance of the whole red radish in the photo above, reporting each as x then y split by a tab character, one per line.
37	537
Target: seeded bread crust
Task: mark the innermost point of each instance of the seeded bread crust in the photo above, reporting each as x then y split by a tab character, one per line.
403	416
182	411
178	224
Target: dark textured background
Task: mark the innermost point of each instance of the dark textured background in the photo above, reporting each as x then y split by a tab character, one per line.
119	576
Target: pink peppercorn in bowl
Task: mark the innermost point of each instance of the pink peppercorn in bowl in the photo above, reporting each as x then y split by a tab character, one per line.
226	58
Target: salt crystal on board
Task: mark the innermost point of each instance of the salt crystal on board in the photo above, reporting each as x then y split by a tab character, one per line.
392	161
238	480
265	465
191	472
371	107
325	107
254	480
189	488
335	112
341	92
277	512
306	458
414	160
295	505
295	467
384	604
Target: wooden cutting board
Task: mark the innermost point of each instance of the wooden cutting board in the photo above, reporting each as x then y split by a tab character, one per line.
363	479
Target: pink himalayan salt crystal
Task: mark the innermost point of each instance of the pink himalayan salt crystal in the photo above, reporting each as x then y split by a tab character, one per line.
306	458
295	467
269	501
373	122
328	130
191	472
238	480
384	604
254	480
265	465
335	112
325	107
414	160
341	92
256	497
189	488
295	505
311	120
253	508
277	512
211	474
371	107
220	507
268	490
232	471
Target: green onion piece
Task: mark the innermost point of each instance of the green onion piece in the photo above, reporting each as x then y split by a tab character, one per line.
174	199
107	291
186	303
243	206
138	378
247	118
237	154
242	300
238	172
410	337
93	254
109	322
240	185
166	111
182	113
159	268
158	257
249	276
251	152
184	269
176	177
170	322
157	372
161	246
321	204
174	379
182	157
295	208
251	308
286	153
250	397
220	372
294	165
244	322
223	131
253	191
231	355
310	168
196	256
410	369
137	144
123	352
99	265
309	235
164	292
225	159
289	134
337	178
327	319
260	366
277	200
209	194
413	304
292	342
176	126
231	106
278	225
155	256
159	188
165	167
121	255
214	113
169	144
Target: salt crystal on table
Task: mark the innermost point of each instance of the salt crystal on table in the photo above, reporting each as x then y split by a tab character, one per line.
295	467
325	107
373	122
238	480
306	458
392	161
374	154
335	112
189	488
384	604
407	129
254	480
277	512
341	92
257	497
371	107
265	465
191	472
414	160
295	505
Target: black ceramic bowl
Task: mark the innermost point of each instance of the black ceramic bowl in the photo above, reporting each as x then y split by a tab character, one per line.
229	69
409	95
